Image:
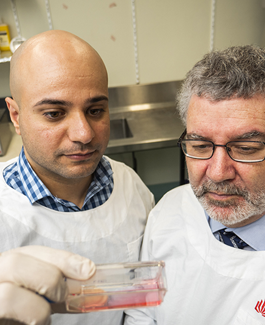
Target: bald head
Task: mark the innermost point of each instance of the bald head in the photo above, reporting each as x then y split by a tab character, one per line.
60	108
54	50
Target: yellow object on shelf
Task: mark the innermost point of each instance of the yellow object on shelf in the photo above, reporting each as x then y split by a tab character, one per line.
4	38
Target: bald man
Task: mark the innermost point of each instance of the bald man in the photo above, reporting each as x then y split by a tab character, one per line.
61	193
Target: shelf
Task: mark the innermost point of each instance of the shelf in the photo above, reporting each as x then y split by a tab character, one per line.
5	56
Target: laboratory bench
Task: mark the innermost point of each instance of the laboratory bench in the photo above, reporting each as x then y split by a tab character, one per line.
144	117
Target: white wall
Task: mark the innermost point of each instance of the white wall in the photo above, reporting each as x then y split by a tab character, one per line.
172	34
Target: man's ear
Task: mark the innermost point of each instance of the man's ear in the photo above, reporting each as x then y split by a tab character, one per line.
14	112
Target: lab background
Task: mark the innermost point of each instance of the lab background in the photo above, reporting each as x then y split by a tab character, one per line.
148	46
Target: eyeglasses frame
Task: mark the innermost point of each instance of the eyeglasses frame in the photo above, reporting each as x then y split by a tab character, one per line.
181	138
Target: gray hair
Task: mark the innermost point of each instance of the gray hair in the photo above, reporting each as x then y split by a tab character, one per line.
237	72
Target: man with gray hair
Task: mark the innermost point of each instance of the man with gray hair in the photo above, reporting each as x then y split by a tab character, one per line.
211	232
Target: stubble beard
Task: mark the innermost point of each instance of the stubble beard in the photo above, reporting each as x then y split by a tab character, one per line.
53	167
232	211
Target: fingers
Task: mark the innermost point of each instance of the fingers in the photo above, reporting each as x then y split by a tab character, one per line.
34	274
71	265
28	270
23	306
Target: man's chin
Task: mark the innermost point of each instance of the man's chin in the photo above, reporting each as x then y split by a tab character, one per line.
74	172
224	217
226	214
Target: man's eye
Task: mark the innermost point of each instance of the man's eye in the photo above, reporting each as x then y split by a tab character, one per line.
95	111
202	147
53	115
246	150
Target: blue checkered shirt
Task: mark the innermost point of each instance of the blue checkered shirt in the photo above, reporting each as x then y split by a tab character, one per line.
21	177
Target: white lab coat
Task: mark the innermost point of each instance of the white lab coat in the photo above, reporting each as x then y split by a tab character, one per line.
209	283
109	233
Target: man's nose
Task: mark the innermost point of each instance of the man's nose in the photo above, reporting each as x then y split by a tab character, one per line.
80	130
220	166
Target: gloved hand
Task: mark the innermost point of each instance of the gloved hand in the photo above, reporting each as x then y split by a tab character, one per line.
30	269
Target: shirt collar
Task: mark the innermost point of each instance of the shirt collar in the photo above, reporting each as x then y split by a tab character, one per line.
35	189
253	234
102	178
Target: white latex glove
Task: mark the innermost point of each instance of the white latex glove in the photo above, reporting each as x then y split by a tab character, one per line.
30	269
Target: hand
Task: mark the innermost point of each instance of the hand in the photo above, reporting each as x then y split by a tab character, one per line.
28	270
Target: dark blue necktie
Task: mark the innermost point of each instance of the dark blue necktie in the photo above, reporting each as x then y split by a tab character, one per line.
231	239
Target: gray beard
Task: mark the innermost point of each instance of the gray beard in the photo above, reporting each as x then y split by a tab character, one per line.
254	203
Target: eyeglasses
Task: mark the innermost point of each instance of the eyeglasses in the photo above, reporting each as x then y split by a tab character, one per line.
241	151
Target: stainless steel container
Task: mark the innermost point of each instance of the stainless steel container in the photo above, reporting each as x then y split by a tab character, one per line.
5	131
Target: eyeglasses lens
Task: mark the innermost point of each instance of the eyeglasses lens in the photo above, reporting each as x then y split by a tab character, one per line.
242	151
